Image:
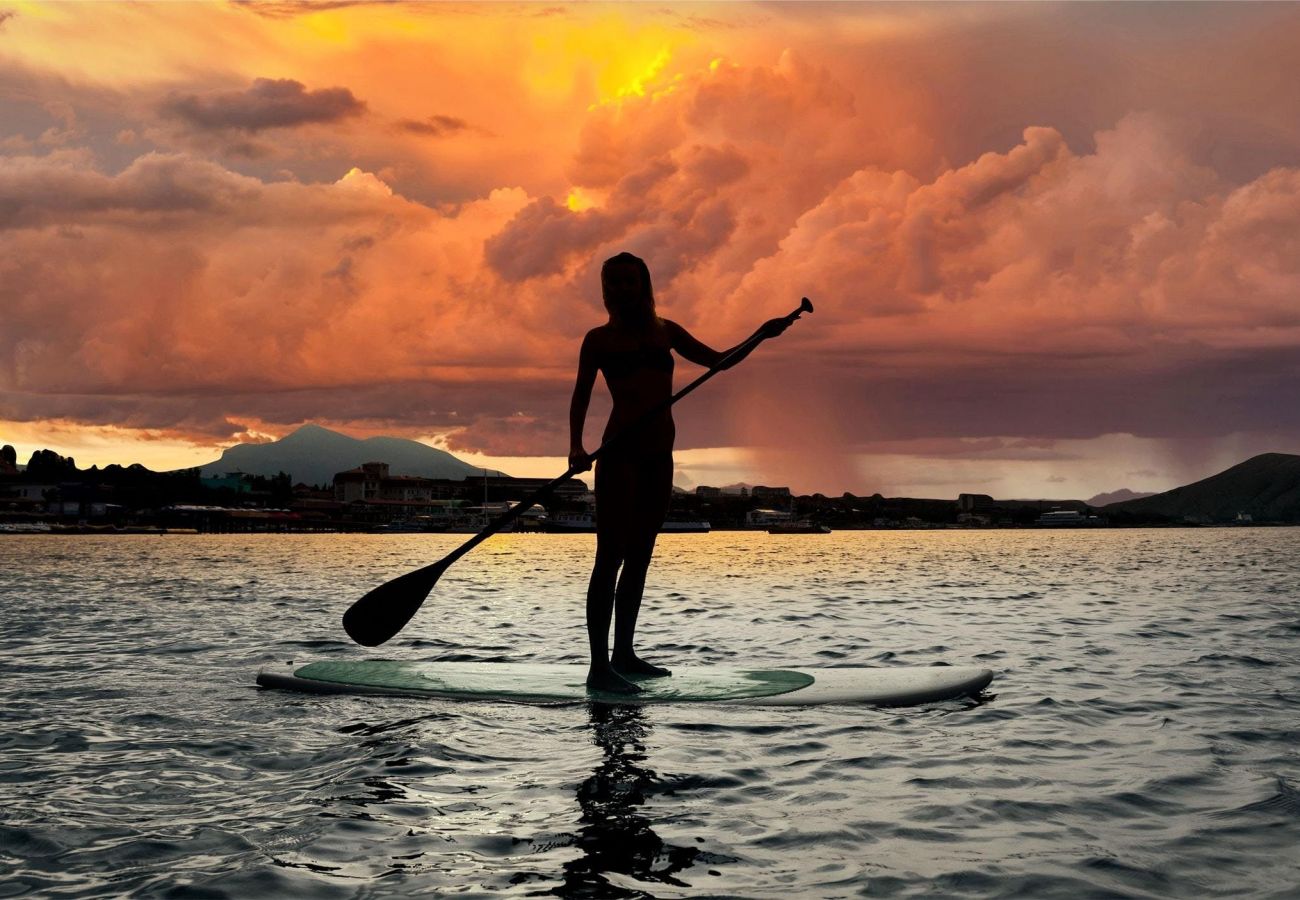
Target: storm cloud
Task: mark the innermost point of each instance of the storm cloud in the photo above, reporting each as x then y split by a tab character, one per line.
268	103
1001	262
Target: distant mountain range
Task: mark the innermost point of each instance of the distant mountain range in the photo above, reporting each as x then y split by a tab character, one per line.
1265	487
1118	497
314	455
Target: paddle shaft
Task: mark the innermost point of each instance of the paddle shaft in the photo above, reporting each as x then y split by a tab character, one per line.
516	511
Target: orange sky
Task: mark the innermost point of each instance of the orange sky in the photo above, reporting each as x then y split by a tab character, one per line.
1053	248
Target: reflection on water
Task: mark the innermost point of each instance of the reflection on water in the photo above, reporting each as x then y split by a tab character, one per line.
614	835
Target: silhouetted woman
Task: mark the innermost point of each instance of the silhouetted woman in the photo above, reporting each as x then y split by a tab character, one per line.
634	477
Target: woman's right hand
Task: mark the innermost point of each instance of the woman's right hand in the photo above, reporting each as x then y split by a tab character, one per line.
579	461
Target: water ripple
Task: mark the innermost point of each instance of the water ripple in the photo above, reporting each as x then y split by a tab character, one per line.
1140	740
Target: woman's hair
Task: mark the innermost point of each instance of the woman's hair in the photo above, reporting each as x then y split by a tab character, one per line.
627	259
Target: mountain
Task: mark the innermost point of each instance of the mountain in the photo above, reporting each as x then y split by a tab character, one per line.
1118	497
1266	487
314	455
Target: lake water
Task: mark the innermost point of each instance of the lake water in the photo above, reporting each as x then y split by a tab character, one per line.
1142	737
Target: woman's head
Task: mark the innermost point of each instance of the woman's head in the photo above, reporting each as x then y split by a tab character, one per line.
625	285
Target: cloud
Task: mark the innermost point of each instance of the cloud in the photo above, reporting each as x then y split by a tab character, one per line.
1141	251
952	351
288	9
433	126
1003	255
65	187
357	181
181	298
269	103
158	192
544	236
1033	291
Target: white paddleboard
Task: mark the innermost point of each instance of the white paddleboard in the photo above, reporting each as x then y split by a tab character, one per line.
547	683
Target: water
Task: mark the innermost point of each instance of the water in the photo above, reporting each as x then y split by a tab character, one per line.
1140	739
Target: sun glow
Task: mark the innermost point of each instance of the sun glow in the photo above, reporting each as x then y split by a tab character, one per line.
613	56
327	27
637	84
579	200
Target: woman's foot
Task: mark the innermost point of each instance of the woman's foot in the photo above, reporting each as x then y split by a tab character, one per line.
610	682
631	664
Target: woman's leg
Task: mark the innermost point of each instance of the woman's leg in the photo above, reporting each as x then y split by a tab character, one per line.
615	499
600	603
652	496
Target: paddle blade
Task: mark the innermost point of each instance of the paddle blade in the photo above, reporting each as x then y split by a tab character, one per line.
383	612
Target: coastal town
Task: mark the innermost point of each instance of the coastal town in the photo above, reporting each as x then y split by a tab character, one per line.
51	495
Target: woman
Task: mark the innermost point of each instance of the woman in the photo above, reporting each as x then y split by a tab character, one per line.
634	476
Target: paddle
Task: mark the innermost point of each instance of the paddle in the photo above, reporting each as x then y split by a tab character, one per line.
383	612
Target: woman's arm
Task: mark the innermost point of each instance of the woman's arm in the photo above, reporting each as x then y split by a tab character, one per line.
581	400
702	354
689	348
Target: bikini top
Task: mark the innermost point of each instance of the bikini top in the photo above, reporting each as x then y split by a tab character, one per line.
619	365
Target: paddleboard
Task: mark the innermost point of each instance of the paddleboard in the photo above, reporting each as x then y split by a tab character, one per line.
545	683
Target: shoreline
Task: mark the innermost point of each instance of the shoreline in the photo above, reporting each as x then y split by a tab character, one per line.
93	530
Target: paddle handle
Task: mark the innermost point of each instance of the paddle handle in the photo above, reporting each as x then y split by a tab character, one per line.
501	521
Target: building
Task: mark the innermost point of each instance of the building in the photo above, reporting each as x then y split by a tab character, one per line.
21	501
974	503
372	481
738	490
361	483
372	494
19	490
503	488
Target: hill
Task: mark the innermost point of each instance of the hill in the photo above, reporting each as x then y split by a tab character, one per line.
1118	497
314	455
1265	487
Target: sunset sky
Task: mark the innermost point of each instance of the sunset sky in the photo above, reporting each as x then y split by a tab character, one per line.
1054	248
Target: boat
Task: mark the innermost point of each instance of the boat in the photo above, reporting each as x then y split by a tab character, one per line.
803	526
685	526
569	523
1061	517
415	525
